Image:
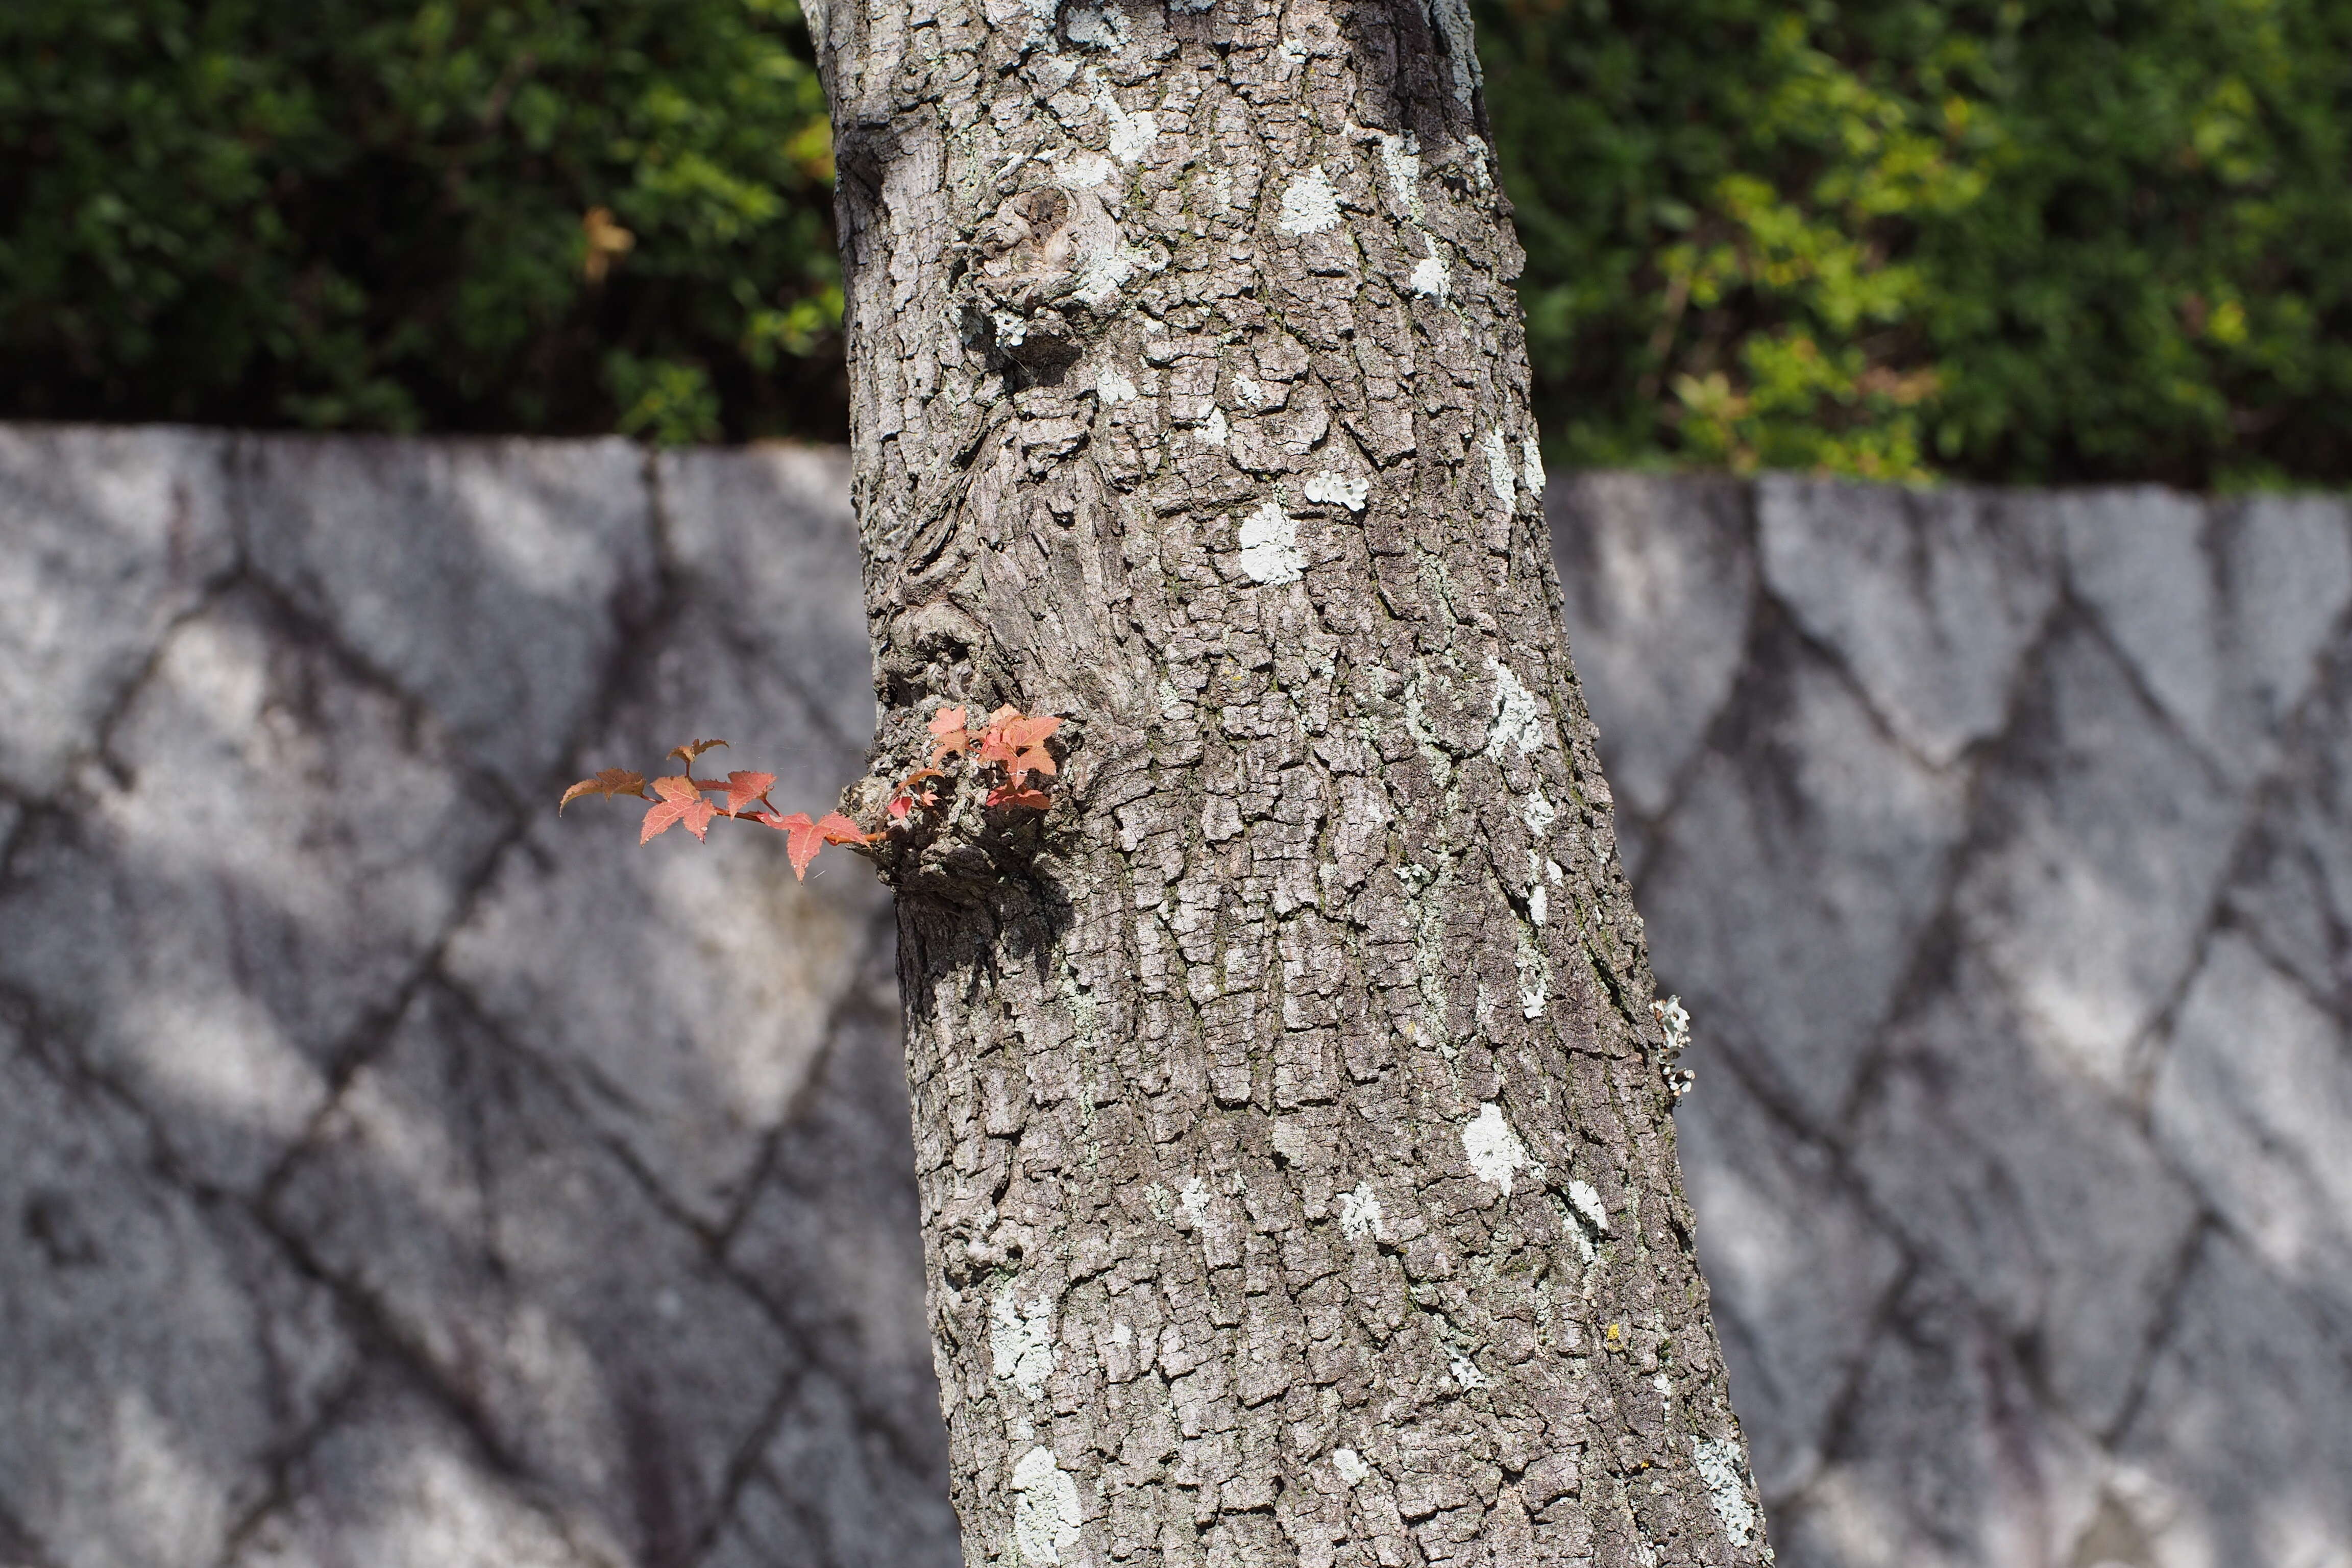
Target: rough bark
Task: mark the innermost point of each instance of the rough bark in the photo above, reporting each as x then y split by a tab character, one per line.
1293	1129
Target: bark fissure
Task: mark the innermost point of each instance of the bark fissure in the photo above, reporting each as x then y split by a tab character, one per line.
1297	1171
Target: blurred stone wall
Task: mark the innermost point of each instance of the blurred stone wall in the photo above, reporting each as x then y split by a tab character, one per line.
398	1173
2000	845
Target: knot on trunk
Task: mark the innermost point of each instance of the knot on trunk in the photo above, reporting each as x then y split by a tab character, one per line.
1039	279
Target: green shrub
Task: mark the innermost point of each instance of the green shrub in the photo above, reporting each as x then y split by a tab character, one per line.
402	215
2037	240
2032	241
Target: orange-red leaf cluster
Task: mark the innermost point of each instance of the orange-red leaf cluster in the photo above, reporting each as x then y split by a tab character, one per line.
1011	741
803	838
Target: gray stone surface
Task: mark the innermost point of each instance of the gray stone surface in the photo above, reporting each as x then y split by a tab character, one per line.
160	1352
2253	1101
402	1175
2241	1448
1793	878
1799	1269
536	559
2024	1183
109	534
1929	598
1658	581
2080	1057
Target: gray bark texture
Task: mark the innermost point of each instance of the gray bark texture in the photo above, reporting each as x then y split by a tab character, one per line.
1291	1122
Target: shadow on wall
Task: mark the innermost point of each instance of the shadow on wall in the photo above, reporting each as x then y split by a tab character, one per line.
406	1175
402	1175
2001	845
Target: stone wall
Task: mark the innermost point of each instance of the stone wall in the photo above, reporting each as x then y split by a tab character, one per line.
2000	845
402	1175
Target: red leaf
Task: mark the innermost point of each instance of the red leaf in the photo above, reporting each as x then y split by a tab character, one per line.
803	838
995	748
1011	794
693	749
839	829
608	784
681	801
900	807
1023	733
949	737
743	789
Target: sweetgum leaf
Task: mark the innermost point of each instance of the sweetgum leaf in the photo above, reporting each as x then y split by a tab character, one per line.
840	829
743	789
608	784
803	838
679	802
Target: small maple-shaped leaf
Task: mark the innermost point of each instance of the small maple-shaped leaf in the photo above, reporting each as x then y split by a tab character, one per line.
692	750
948	735
608	784
800	839
679	802
1028	737
840	829
743	789
1013	795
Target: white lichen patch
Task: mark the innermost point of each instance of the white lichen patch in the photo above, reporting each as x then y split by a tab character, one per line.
1112	385
1537	812
1531	466
1534	978
1587	1199
1214	428
1360	1212
1083	169
1430	278
1674	1019
1310	206
1098	26
1517	719
1269	546
1465	1370
1538	904
1249	391
1130	134
1350	1466
1494	1152
1400	156
1350	490
1106	272
1719	1469
1195	1199
1021	1337
1500	476
1045	1508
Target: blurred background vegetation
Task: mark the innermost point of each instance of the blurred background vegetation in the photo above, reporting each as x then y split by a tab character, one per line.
2037	240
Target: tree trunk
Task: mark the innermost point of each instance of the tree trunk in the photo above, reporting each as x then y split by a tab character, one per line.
1293	1129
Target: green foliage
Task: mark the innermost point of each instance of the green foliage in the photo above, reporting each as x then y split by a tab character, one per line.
2006	240
2035	240
469	215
